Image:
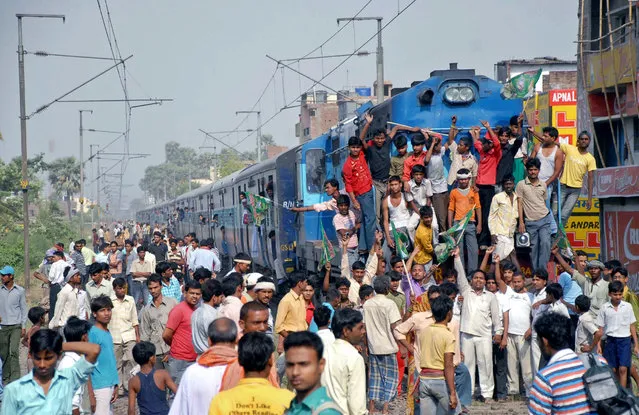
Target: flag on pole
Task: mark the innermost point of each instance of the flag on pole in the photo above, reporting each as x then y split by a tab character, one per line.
258	206
521	86
563	243
328	250
452	237
401	242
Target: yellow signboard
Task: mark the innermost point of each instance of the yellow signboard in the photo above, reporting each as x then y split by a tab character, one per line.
612	67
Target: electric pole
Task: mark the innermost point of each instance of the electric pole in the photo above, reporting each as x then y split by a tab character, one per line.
380	53
82	173
24	183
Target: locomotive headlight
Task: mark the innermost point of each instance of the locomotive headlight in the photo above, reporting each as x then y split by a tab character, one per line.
459	94
466	94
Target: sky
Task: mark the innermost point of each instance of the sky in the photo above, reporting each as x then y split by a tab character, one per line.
210	58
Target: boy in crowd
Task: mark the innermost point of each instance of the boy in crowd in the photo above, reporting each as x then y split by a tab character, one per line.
104	380
149	385
617	321
124	330
586	327
437	391
36	316
346	224
418	192
397	162
75	330
460	155
396	209
45	348
462	199
424	238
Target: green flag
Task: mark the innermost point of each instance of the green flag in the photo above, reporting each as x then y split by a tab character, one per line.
450	238
563	243
328	250
401	242
258	206
521	86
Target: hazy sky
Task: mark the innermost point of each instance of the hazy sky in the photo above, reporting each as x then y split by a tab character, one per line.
209	56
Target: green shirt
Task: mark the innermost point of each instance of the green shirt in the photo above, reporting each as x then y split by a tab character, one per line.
312	402
399	299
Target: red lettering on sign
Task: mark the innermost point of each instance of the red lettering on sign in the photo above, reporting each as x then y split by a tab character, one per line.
563	122
575	243
593	240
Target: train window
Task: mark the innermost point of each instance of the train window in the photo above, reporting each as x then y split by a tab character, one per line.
315	170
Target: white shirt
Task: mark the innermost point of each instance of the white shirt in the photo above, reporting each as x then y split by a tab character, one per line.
616	323
65	307
536	312
436	174
327	336
68	360
56	273
198	387
559	308
205	258
344	377
586	329
520	312
419	192
83	304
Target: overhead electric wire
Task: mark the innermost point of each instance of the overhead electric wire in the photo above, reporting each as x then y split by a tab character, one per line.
305	56
332	70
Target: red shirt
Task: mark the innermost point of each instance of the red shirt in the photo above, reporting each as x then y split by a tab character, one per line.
357	176
411	161
180	322
310	309
487	171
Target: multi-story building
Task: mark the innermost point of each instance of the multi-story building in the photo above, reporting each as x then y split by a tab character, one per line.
609	109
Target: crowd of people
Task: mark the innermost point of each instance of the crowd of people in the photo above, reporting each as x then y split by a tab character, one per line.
181	329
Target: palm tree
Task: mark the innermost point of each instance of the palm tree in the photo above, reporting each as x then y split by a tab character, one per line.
64	176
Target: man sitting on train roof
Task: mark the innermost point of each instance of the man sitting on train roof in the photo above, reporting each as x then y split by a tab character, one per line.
242	264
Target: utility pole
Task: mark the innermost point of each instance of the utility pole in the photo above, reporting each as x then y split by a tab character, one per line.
82	174
24	183
380	53
259	131
91	158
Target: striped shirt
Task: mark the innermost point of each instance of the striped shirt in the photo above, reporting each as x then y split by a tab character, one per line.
559	389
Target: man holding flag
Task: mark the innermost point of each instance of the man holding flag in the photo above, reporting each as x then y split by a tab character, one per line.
465	201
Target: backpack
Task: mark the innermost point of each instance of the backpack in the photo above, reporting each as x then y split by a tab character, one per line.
605	395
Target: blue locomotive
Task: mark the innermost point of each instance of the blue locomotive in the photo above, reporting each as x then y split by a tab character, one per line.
287	241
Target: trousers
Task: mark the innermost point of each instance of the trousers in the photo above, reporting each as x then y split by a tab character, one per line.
469	246
500	371
434	398
569	198
124	361
369	220
518	356
380	191
54	290
177	368
540	242
10	352
440	206
486	194
478	353
103	401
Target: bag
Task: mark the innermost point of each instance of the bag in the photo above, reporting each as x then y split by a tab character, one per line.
605	395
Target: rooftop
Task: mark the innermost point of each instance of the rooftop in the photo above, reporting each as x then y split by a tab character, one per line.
544	60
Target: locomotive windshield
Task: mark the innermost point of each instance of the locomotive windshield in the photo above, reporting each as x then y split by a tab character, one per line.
315	170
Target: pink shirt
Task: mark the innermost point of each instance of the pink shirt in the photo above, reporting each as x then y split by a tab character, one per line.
346	222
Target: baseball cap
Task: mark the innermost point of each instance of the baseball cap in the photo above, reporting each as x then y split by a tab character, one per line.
7	270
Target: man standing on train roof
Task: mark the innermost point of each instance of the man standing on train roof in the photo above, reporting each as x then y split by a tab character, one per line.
377	152
241	264
359	185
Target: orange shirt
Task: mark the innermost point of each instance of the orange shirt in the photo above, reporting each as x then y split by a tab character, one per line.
460	204
410	161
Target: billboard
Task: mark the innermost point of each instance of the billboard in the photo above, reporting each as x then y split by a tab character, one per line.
621	232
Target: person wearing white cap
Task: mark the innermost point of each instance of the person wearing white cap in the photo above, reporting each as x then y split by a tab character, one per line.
13	319
67	304
241	264
250	280
264	292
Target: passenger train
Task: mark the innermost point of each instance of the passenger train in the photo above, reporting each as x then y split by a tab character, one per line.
288	241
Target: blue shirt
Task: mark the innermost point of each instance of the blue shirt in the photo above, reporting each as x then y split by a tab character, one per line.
172	290
26	397
105	374
312	402
313	327
13	306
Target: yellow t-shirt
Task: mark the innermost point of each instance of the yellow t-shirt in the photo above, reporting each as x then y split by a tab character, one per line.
252	396
576	166
424	238
435	340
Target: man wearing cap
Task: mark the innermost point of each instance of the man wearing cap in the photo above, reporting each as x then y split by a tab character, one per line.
264	291
241	264
359	185
595	287
55	279
13	319
250	280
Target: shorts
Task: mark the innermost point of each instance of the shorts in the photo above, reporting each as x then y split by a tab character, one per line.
618	351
